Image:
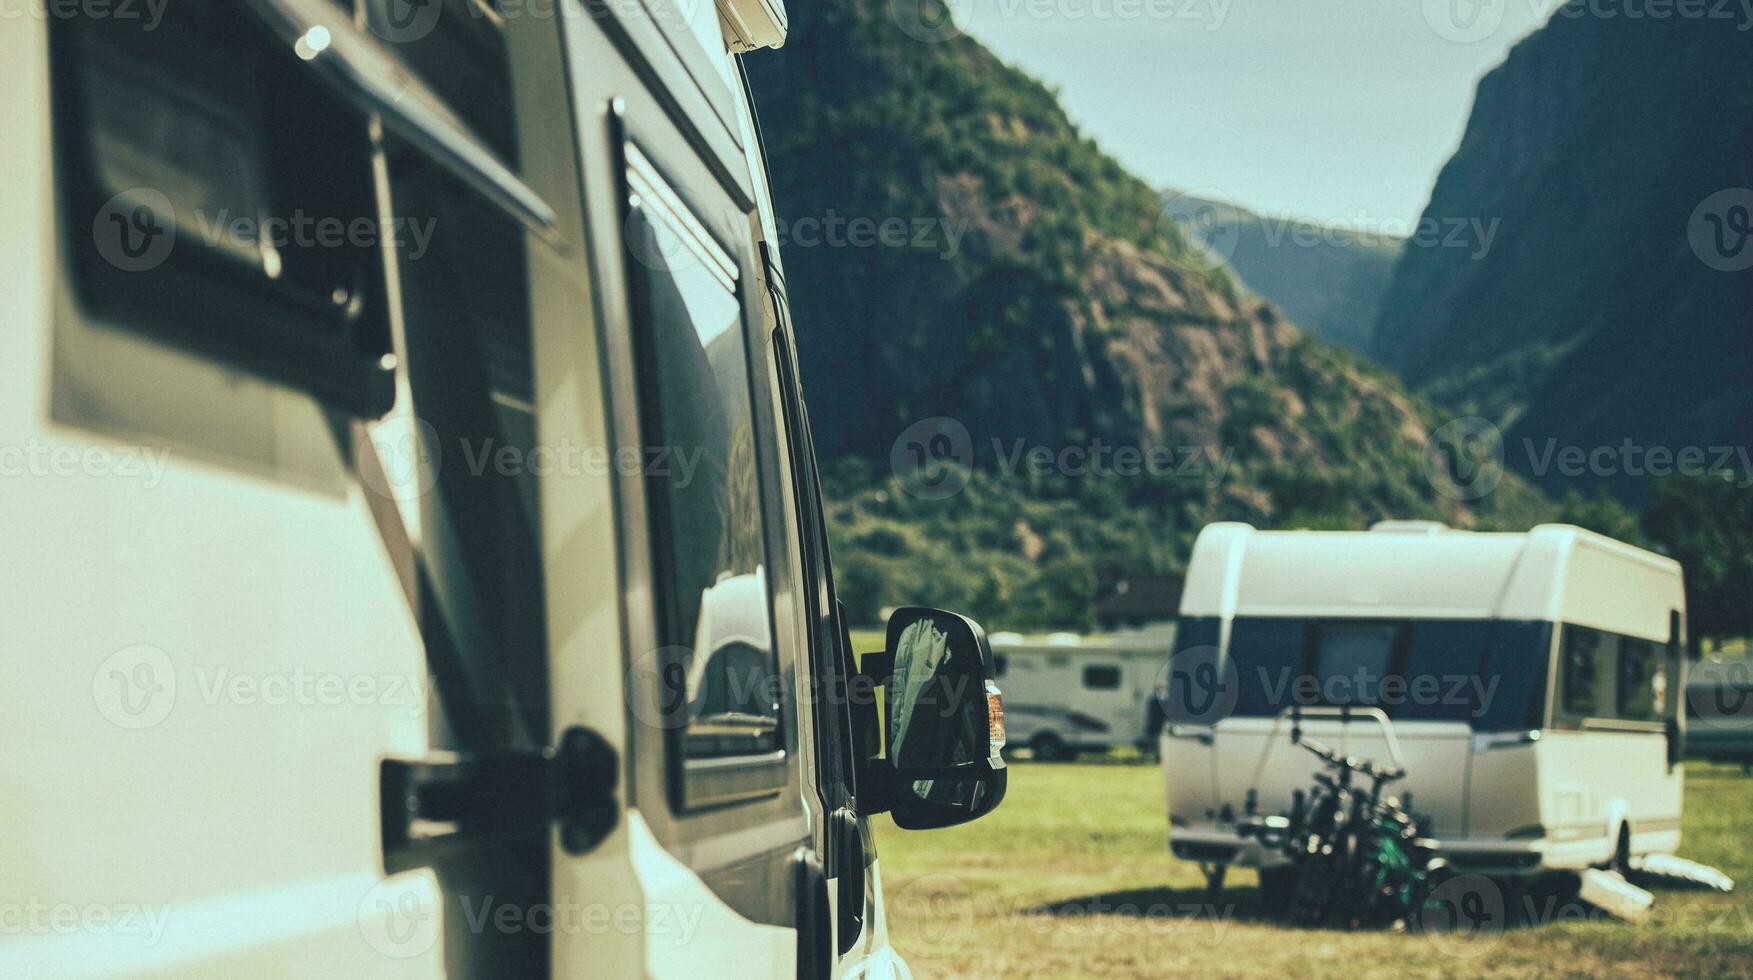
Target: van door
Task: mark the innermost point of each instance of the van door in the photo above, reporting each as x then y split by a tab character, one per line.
719	861
344	227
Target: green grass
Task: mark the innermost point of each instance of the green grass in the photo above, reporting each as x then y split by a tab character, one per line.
1071	877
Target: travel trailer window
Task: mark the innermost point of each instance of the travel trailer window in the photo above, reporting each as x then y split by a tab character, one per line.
1584	652
710	564
1351	659
1643	680
1489	674
1101	677
1268	656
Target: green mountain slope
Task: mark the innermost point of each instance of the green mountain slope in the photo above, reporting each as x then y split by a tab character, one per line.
1605	149
1048	303
1329	281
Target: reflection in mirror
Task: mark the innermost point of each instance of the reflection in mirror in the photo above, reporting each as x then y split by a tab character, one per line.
936	721
945	722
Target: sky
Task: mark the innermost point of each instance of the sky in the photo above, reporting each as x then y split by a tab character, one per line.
1337	111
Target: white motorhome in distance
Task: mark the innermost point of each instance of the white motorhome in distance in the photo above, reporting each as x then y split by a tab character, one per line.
1065	694
1527	681
414	558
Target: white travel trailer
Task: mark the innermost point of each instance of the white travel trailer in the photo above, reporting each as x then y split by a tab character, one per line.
414	558
1065	694
1528	683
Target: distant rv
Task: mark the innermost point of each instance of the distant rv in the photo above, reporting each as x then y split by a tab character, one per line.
1528	683
1065	694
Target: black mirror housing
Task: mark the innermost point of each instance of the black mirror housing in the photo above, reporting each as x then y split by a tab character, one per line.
943	730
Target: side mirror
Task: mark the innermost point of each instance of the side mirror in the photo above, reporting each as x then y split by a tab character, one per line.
943	728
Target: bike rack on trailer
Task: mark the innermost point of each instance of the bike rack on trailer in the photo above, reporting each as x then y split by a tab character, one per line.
1214	873
1344	713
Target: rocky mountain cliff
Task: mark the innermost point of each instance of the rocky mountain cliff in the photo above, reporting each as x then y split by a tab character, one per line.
1330	281
954	247
1615	157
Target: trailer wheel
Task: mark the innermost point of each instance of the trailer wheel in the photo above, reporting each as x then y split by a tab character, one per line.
1048	747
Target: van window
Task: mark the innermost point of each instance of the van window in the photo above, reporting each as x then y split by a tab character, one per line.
710	563
1101	677
1584	649
1643	680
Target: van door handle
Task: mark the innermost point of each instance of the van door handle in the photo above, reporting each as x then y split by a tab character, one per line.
446	803
359	70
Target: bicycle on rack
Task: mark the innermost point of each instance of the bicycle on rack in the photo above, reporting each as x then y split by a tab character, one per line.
1357	858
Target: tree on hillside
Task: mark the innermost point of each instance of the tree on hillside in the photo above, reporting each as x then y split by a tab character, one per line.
1706	523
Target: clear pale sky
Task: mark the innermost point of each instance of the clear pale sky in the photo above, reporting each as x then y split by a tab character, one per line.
1340	111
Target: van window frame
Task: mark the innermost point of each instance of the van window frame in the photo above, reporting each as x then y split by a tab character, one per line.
700	782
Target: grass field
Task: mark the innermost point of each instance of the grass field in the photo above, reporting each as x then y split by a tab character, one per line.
1071	877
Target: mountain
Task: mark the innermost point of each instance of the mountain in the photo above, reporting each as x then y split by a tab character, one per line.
1614	157
1030	290
1328	280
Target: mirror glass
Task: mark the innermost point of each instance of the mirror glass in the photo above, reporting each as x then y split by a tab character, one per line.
945	719
937	707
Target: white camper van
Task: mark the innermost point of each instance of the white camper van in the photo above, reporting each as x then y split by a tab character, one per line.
1528	683
413	558
1065	694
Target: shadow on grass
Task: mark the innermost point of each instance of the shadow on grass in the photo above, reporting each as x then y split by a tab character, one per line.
1469	905
1242	904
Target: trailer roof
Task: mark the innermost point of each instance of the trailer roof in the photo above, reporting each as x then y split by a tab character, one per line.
1552	573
